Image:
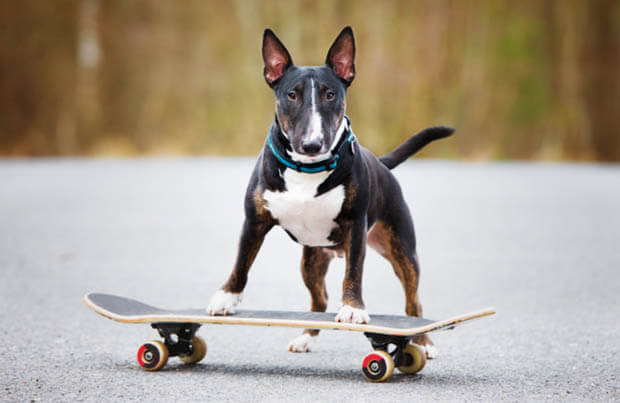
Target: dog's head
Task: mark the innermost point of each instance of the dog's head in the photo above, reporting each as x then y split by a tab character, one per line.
310	101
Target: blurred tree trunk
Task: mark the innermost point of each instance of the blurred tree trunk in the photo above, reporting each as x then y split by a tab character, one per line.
37	77
88	106
602	71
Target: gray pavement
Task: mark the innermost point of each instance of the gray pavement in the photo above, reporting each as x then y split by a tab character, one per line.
540	242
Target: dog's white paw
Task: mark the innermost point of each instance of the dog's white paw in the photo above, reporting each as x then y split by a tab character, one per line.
301	344
223	303
348	314
431	351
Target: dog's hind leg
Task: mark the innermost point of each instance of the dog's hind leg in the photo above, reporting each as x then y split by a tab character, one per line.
314	264
397	244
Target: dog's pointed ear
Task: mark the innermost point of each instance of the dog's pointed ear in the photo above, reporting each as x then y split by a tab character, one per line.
341	55
276	57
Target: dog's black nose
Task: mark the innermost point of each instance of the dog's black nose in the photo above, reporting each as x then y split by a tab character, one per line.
311	146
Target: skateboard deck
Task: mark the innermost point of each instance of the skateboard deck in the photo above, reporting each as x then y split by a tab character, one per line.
127	310
178	328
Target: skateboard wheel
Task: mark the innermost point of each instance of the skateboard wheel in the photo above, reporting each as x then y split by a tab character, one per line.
417	358
199	350
378	366
152	355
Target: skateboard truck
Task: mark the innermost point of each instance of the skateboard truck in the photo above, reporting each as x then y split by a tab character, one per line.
177	336
379	365
179	340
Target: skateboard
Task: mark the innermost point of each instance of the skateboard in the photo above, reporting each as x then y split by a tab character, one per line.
389	335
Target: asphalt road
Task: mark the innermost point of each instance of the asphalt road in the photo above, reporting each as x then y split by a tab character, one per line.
540	242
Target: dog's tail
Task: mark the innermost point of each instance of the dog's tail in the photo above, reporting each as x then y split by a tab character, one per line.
414	144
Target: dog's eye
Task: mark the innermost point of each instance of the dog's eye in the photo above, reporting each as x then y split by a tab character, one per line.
292	95
330	95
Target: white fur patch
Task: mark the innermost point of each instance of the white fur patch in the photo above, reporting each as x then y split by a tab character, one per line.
308	218
223	303
316	122
301	344
348	314
431	351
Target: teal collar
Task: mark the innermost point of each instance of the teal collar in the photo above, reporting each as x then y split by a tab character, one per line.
345	142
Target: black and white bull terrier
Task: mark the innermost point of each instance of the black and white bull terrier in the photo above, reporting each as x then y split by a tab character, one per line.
325	190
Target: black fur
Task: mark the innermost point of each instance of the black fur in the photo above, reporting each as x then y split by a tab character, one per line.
414	144
373	211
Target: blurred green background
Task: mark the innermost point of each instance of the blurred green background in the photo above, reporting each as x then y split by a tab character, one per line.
528	79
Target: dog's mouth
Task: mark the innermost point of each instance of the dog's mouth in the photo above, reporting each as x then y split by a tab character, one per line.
308	158
305	154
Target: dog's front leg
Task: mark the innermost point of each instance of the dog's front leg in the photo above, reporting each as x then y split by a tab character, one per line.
226	299
352	310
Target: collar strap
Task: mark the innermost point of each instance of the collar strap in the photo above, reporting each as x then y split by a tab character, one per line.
346	141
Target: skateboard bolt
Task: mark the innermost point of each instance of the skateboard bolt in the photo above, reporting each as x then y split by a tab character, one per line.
148	356
374	366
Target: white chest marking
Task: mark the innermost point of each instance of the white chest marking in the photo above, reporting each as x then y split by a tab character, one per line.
310	219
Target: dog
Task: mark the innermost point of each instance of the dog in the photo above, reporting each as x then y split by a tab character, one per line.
329	193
